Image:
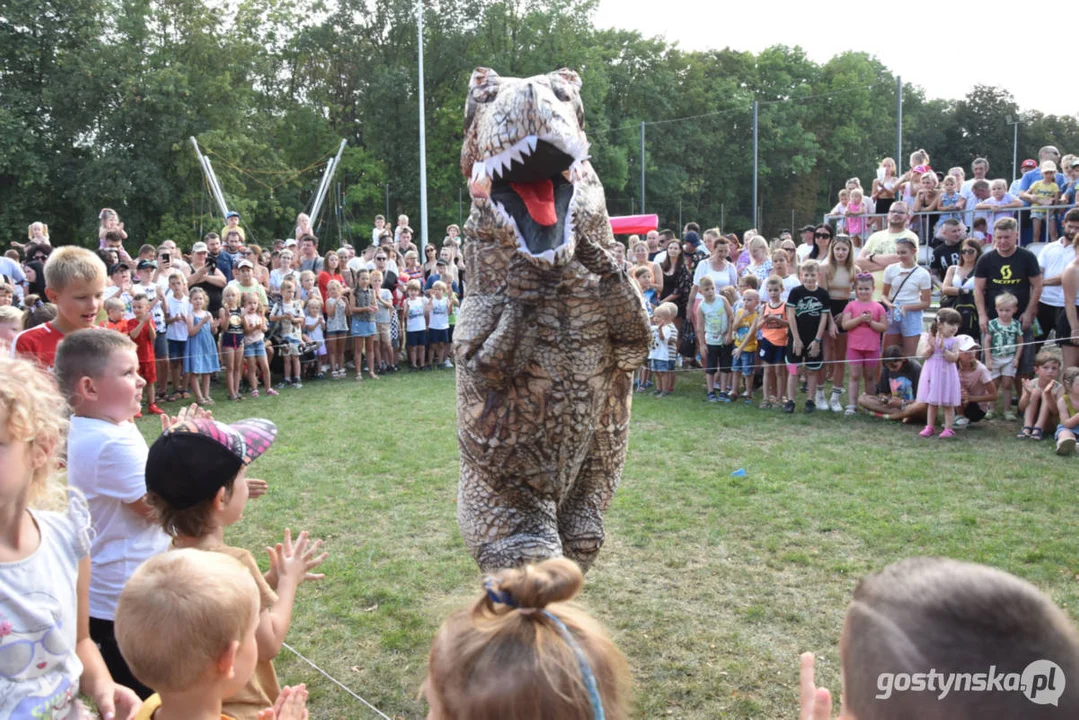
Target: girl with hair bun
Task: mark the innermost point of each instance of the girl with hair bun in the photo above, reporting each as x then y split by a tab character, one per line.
523	652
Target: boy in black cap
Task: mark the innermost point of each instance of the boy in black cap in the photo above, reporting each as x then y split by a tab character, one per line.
196	483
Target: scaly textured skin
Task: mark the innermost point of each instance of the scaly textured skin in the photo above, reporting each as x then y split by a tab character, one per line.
544	350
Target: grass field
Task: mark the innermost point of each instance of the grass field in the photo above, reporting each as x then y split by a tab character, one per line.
711	584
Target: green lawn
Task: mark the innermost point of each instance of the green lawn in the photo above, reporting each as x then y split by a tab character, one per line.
711	584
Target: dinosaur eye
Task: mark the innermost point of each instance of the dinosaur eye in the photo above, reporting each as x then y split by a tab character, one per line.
477	97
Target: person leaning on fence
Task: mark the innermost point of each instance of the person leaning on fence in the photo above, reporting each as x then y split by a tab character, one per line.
879	249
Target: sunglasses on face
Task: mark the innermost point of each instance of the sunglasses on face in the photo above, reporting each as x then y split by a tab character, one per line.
822	235
380	259
968	251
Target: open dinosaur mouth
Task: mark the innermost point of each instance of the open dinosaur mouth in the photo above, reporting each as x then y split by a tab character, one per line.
532	187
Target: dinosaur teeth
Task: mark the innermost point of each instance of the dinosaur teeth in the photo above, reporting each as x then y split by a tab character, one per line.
479	171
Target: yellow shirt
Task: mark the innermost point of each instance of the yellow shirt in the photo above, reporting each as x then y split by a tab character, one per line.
226	230
146	712
1044	192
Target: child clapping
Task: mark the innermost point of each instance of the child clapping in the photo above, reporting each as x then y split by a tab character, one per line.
196	477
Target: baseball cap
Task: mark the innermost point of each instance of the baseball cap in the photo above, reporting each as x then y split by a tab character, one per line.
1048	166
194	459
231	214
966	342
245	263
117	267
147	264
291	242
1029	163
692	237
441	262
200	246
356	264
807	228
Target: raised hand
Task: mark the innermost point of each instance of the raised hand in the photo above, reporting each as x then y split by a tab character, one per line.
814	703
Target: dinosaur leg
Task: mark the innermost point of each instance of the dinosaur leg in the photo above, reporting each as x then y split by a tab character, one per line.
580	516
508	527
630	329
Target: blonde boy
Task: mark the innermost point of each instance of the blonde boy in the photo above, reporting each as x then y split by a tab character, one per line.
11	324
187	623
1004	347
98	372
75	284
7	295
196	474
664	347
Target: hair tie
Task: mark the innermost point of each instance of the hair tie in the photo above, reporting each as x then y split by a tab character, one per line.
501	597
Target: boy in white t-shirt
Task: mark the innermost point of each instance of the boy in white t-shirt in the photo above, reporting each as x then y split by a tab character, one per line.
98	371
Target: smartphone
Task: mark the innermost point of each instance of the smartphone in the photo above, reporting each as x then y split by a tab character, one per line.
166	257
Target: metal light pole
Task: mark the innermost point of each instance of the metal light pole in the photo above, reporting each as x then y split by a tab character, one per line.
423	133
899	121
755	167
1015	149
642	166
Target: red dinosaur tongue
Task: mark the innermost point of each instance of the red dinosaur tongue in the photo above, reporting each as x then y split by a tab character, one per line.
539	199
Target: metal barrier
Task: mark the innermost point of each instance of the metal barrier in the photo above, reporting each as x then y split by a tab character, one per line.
923	224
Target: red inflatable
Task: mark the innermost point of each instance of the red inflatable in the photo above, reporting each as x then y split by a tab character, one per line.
634	224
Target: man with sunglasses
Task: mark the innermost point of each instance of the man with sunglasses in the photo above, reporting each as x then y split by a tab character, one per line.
879	250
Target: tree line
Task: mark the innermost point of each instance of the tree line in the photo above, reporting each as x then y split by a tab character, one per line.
98	98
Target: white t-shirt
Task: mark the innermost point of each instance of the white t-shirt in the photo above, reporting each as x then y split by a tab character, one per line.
157	312
1053	260
659	350
789	283
177	330
39	611
417	320
722	278
440	314
107	462
802	251
716	322
911	292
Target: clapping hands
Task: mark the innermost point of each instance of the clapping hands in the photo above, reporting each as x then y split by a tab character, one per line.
295	560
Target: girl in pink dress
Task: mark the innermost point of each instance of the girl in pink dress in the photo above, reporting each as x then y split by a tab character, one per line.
939	382
856	212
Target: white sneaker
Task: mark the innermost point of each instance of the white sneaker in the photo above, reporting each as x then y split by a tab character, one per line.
851	410
961	422
447	364
819	400
835	405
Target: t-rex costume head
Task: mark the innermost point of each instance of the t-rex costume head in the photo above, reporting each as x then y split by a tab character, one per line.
548	334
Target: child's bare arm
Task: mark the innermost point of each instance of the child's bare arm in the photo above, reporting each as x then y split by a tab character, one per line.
292	563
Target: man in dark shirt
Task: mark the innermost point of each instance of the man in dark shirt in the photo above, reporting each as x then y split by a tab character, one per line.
947	253
1009	268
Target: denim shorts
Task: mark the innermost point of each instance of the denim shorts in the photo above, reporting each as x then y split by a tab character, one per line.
662	365
177	349
161	346
909	326
362	328
744	363
255	349
770	354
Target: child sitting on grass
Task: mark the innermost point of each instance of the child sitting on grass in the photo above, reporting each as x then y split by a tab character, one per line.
1038	399
523	652
74	284
98	371
187	623
1068	409
930	621
45	536
664	347
196	476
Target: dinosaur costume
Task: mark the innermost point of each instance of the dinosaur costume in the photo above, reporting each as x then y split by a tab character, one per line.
549	333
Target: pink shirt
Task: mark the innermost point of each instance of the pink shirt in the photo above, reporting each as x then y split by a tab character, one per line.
864	337
856	223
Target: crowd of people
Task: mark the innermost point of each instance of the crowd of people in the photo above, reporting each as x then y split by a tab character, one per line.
124	578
